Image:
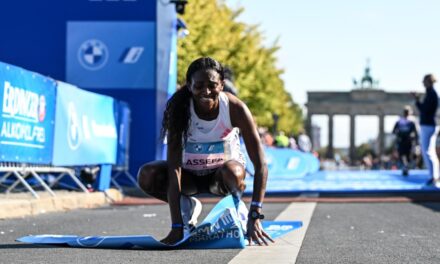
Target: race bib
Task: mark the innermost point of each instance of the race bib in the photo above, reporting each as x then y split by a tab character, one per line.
204	157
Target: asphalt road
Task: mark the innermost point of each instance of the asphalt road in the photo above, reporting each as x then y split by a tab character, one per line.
338	233
116	220
373	233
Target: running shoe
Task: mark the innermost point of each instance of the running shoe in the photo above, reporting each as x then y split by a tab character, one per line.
190	208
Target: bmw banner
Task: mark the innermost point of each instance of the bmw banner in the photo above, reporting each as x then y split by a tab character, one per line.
121	48
85	128
110	54
27	117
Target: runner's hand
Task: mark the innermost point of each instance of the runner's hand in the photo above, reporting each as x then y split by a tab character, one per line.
256	233
174	236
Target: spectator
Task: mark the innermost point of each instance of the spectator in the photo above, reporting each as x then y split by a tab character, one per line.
281	140
267	138
405	131
428	128
304	143
292	143
367	161
337	160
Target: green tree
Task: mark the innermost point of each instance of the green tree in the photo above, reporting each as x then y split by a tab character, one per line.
216	32
363	150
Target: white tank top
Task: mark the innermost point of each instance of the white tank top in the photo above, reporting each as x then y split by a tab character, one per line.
211	143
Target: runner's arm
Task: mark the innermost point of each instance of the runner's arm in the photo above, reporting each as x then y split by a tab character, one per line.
241	117
174	159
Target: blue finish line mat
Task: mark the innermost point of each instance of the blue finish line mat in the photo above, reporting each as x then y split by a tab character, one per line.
347	181
222	228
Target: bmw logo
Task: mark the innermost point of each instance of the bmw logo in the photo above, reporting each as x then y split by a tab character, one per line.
93	54
197	148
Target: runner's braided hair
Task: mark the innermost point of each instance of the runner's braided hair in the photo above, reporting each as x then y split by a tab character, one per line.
177	114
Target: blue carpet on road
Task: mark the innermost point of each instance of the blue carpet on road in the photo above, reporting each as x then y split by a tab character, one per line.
224	227
346	181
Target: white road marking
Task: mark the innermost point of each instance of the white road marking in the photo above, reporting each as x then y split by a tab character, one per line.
286	248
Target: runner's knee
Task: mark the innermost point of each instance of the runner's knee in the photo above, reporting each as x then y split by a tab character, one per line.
233	175
146	175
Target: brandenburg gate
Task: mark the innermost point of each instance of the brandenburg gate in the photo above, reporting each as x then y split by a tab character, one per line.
363	100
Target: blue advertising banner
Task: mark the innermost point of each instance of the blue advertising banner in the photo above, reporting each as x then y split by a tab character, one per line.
85	128
224	227
111	54
166	53
285	162
27	117
120	48
123	118
39	44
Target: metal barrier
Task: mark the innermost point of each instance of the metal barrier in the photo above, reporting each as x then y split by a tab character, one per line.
23	171
122	171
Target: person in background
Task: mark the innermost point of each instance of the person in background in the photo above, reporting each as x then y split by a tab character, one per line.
229	81
405	131
337	160
267	138
292	142
281	140
428	128
198	116
304	143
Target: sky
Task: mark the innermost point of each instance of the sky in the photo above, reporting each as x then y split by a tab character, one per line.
325	44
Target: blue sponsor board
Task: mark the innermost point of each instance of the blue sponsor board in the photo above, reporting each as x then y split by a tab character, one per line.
123	118
111	54
166	49
123	48
345	181
85	128
27	116
224	227
285	161
37	39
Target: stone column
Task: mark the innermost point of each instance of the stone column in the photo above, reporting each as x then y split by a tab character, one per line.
381	135
308	125
352	152
330	151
